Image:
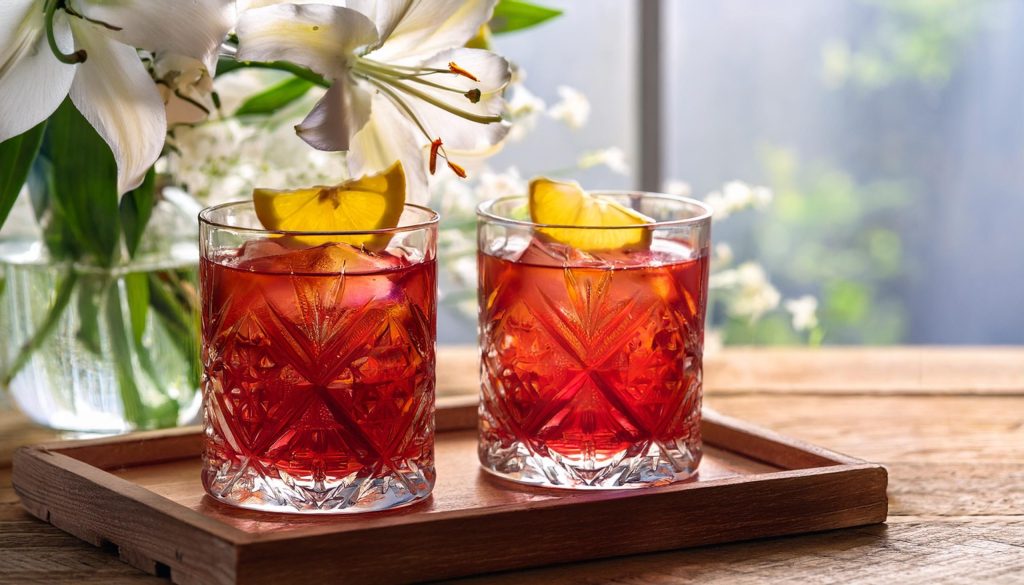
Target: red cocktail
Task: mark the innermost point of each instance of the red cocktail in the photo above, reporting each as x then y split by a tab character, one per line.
319	371
591	362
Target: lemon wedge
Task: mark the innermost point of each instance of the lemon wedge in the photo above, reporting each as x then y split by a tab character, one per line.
372	202
561	203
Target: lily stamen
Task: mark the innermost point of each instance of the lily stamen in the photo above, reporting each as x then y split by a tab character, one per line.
381	75
460	71
436	149
458	170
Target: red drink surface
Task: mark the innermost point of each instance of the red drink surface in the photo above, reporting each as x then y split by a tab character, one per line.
317	369
586	359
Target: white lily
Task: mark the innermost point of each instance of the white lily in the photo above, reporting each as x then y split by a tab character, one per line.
87	49
400	80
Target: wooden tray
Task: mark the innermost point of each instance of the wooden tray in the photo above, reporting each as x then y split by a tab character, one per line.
140	495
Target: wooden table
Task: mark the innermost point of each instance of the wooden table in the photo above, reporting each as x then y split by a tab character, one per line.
948	423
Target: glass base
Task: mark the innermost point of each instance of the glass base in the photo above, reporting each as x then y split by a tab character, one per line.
656	464
243	487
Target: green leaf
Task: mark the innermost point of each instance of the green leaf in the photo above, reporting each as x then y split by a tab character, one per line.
136	286
136	209
16	156
275	98
512	15
82	185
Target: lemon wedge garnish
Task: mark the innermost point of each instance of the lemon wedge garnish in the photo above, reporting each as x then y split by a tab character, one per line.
560	203
372	202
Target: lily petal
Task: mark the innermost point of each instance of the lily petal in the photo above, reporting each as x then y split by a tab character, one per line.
316	36
388	137
341	113
195	28
32	81
456	132
115	93
425	28
385	13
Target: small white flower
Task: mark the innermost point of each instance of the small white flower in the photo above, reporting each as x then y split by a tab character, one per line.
614	158
804	311
222	160
752	294
723	254
494	185
677	187
456	197
736	196
523	110
573	109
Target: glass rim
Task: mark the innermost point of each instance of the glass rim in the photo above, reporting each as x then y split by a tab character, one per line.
431	221
486	211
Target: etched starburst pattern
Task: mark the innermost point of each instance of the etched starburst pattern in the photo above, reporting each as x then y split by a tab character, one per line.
591	376
319	390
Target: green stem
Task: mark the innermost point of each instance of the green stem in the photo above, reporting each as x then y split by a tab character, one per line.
45	329
296	70
178	318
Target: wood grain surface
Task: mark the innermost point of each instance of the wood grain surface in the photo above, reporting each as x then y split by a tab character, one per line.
948	423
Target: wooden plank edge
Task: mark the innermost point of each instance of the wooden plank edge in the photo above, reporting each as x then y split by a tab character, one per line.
456	545
733	434
456	413
105	510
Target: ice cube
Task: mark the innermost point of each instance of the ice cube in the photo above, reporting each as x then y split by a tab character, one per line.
542	252
335	258
257	254
284	255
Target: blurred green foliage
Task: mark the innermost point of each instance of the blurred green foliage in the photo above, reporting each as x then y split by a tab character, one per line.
837	239
914	40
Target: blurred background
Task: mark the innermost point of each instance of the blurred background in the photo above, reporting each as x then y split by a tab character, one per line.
889	135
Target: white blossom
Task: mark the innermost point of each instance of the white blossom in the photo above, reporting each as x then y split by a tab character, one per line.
573	109
804	312
723	254
523	110
614	158
736	196
222	160
677	187
751	294
493	185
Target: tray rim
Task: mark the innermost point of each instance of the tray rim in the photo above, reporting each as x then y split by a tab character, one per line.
799	461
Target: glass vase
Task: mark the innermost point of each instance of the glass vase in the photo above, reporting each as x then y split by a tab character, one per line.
102	349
